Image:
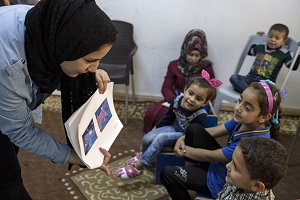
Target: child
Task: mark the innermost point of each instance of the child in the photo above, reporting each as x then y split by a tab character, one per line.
190	63
257	165
269	59
184	109
254	113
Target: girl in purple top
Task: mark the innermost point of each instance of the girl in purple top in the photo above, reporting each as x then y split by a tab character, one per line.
255	114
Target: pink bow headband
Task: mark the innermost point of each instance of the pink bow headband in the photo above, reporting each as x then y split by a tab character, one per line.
213	82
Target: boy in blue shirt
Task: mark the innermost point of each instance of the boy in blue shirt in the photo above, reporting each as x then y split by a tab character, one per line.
251	177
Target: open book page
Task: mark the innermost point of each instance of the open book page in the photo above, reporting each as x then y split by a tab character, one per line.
95	124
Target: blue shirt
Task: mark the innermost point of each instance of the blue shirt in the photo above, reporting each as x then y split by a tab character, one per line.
217	170
19	95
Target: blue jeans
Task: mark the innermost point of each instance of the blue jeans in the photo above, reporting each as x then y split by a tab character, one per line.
155	140
240	83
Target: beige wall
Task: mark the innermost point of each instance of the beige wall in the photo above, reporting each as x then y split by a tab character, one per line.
160	27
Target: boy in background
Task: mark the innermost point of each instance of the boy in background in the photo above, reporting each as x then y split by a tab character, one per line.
269	59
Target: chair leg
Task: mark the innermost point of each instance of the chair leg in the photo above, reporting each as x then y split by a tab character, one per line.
126	105
133	92
217	104
294	142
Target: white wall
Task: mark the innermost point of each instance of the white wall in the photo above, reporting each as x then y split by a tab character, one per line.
160	27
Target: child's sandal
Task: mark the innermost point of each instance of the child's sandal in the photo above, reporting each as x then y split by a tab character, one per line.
127	172
135	158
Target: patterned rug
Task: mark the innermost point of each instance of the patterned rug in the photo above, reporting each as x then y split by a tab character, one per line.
288	124
140	188
88	182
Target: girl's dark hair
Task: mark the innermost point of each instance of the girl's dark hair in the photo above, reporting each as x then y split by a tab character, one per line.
265	158
199	81
264	105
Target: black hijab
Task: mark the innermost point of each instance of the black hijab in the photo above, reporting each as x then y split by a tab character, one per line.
62	30
65	30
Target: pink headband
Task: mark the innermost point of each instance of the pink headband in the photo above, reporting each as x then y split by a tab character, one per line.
269	95
213	82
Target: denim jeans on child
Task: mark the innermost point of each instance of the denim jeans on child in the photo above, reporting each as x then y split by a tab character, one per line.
155	140
240	83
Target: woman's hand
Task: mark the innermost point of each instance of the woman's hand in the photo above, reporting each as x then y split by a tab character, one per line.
179	148
102	79
106	159
74	159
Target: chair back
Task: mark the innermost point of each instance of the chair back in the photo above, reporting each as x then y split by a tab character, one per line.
294	48
124	47
226	91
291	45
253	39
118	62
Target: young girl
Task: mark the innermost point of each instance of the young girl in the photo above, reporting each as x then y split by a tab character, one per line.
191	62
254	113
184	109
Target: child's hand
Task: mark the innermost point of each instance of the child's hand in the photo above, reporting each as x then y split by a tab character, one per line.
106	159
179	148
260	33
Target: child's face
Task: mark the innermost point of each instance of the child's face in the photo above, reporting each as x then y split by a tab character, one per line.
193	57
237	172
194	97
276	39
247	110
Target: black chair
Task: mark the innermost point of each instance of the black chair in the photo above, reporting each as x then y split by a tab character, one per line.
118	62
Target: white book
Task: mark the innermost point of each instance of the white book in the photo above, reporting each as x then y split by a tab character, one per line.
95	124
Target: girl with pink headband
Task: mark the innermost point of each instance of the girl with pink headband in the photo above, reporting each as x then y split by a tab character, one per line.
206	159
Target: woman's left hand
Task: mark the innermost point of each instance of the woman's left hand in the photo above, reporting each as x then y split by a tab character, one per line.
106	159
102	80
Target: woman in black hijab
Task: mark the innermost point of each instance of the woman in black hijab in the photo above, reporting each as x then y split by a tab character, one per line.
56	41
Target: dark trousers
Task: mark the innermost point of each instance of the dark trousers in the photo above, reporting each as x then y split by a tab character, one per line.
240	83
179	179
11	183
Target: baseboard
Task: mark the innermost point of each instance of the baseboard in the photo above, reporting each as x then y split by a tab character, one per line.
224	106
